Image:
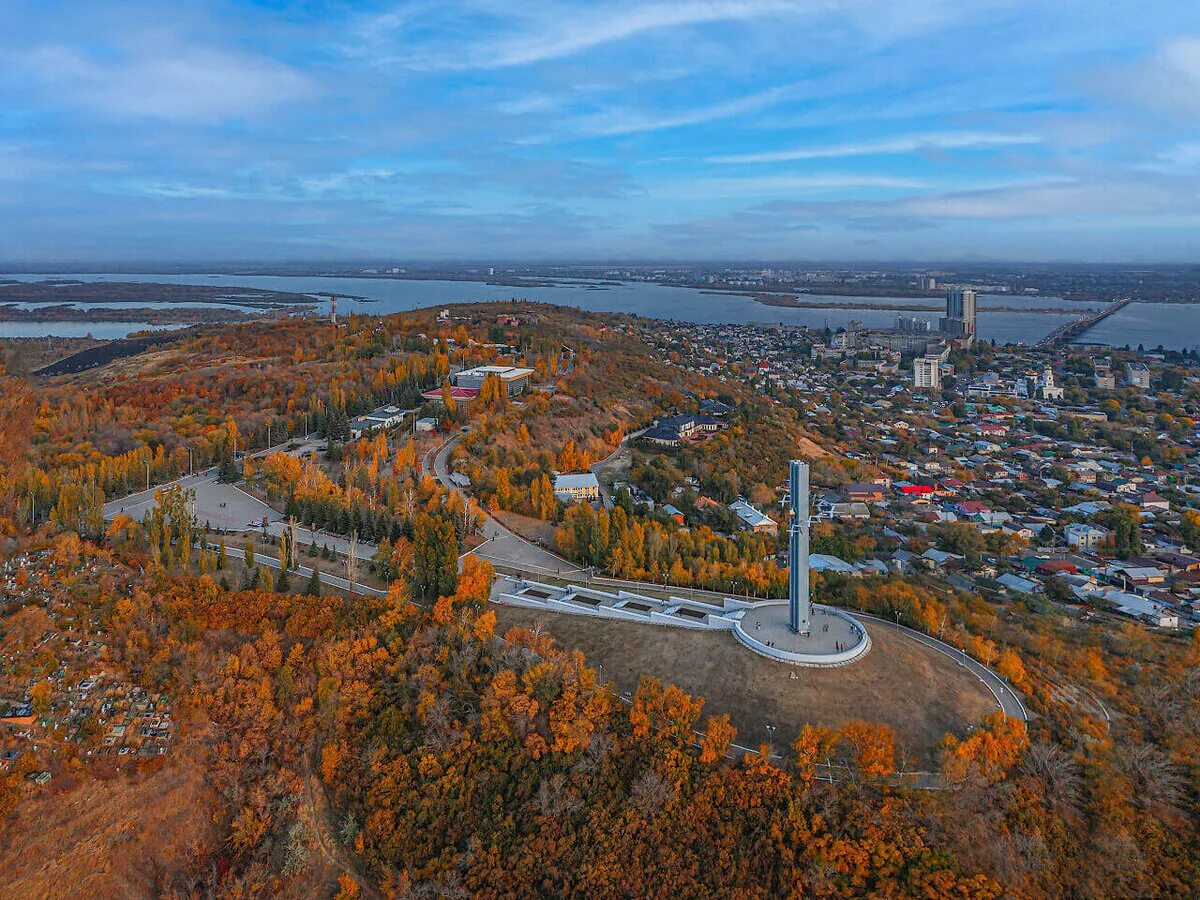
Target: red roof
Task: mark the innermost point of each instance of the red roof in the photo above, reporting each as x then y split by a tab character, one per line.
920	489
458	393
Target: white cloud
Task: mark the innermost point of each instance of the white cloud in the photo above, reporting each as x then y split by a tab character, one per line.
617	122
1168	79
555	31
782	184
888	146
1059	198
168	82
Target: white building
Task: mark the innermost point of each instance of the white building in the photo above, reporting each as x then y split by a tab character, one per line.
582	486
1082	536
753	519
514	378
1046	388
928	369
377	420
1137	375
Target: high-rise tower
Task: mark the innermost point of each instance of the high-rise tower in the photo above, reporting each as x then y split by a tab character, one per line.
960	314
799	605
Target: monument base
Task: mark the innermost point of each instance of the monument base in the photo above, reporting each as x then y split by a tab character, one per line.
834	638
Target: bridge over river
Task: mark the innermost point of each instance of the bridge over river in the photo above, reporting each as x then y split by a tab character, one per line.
1076	327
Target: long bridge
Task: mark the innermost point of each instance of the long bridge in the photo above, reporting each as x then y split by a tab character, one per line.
1078	326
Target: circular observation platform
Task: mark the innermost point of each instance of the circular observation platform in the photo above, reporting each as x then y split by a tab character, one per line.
835	637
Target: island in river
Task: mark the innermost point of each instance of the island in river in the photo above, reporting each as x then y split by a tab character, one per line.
156	303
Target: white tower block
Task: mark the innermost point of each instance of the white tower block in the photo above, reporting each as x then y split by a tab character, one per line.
799	605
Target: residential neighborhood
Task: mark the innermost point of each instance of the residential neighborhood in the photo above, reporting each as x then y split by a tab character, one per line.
1021	476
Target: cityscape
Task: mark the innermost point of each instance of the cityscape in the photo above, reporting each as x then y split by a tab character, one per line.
641	449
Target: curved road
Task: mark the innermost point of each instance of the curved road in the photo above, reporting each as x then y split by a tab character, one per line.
505	548
501	546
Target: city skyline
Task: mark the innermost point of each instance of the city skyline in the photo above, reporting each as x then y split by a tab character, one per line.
765	130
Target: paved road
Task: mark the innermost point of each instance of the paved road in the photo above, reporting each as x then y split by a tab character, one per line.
502	546
229	508
304	572
597	468
514	552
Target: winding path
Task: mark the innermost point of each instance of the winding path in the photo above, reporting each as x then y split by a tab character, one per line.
511	551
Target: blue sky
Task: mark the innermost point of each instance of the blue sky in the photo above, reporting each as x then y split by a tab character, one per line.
701	129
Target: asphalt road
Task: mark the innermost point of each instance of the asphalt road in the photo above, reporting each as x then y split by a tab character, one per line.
502	547
304	572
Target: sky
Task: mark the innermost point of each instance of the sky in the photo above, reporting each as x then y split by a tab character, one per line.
564	131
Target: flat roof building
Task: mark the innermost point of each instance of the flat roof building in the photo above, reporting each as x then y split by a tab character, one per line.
515	379
1138	375
581	486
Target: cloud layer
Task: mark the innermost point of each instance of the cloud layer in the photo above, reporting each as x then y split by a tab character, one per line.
574	129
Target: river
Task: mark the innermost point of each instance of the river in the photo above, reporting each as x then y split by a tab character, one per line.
643	298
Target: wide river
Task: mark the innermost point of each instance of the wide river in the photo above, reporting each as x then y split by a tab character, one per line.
1172	326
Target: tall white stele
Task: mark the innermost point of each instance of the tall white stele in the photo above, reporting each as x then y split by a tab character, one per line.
799	606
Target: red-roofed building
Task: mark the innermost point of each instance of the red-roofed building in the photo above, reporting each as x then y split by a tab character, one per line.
1057	567
459	395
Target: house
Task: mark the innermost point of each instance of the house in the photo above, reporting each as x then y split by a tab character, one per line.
1082	536
1153	612
671	431
850	511
823	562
426	424
578	487
1017	584
376	420
916	493
941	558
1139	576
863	493
1056	567
675	513
714	408
1152	501
753	519
18	716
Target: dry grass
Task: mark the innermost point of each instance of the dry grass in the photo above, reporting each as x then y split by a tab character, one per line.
917	691
536	530
126	835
